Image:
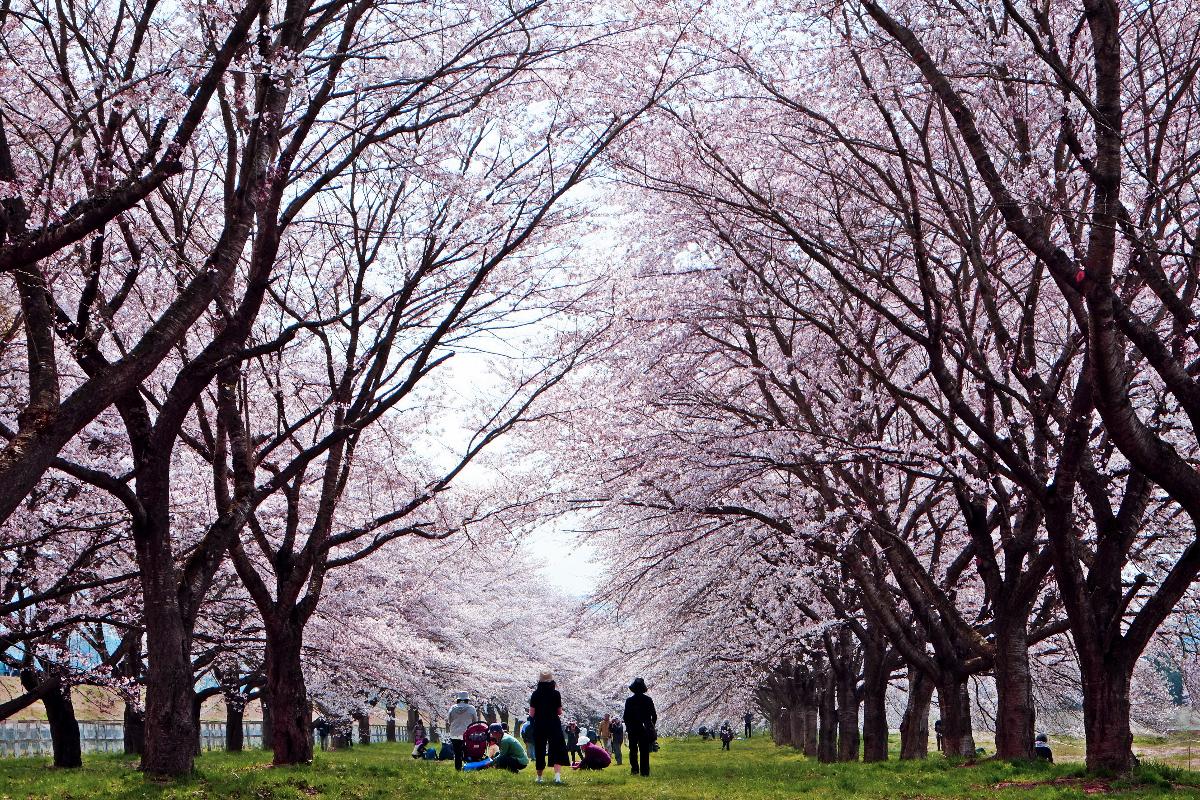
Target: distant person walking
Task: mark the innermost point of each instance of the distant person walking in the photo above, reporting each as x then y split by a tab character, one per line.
749	718
605	731
460	717
640	720
617	729
545	708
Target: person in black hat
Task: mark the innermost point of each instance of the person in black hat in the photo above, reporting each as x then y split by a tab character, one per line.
640	720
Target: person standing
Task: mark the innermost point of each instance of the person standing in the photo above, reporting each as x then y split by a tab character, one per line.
605	731
617	729
460	717
640	720
545	708
749	718
527	736
571	730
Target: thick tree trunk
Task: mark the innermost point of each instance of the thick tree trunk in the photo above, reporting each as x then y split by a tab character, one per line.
811	722
955	704
391	723
781	727
827	725
235	736
874	692
135	730
794	736
1014	691
847	713
64	728
364	728
287	696
914	728
1109	740
414	716
171	733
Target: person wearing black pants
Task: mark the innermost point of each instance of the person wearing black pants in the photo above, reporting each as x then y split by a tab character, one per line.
749	718
640	720
545	708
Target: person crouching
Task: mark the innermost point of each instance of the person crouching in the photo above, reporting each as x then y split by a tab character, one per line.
591	755
511	754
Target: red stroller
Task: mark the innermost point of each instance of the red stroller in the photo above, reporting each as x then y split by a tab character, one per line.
475	742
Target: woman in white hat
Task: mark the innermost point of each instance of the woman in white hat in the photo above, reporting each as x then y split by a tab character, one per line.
461	715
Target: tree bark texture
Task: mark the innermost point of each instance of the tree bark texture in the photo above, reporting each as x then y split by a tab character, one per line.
172	737
874	696
1106	708
914	727
235	735
1014	691
827	723
954	701
291	717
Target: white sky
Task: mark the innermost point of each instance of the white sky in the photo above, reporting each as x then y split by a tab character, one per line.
567	562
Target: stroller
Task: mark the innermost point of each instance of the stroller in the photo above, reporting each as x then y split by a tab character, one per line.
475	742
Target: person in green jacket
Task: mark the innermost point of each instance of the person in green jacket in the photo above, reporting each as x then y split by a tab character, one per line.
512	755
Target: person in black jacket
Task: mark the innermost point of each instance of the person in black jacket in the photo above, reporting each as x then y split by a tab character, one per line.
545	708
640	721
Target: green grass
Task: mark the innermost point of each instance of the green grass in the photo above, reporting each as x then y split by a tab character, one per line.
683	770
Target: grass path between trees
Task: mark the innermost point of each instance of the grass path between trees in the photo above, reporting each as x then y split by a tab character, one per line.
683	770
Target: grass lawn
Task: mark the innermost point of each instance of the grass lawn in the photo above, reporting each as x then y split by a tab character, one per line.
683	770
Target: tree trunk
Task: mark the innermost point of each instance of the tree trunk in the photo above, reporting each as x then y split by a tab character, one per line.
391	723
847	713
955	704
827	724
794	727
1014	690
914	728
287	696
64	728
268	730
875	727
1109	740
171	733
364	728
781	729
197	703
135	730
235	736
133	717
414	716
811	723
